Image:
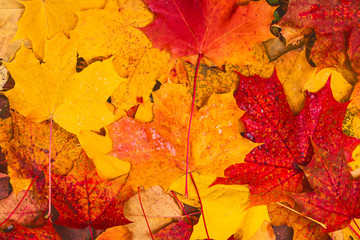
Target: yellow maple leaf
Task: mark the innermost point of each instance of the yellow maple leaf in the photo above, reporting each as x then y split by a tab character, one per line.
134	58
43	19
224	208
115	32
53	89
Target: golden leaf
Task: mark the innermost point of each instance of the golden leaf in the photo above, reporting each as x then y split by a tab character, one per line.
53	89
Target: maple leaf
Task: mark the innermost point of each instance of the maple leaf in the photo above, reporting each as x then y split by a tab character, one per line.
224	208
42	20
163	141
134	59
116	33
221	31
27	152
273	167
160	209
82	198
17	231
335	201
336	28
76	101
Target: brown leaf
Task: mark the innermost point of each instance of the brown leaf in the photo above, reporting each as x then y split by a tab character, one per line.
160	209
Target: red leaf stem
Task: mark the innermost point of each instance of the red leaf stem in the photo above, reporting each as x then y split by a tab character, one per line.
182	206
91	233
201	206
142	208
50	140
190	120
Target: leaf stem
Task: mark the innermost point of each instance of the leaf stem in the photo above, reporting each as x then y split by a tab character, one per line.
22	199
201	206
50	141
182	206
289	208
91	232
190	120
142	208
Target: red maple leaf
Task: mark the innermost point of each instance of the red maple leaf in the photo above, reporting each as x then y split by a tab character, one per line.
216	29
335	201
83	198
273	167
336	25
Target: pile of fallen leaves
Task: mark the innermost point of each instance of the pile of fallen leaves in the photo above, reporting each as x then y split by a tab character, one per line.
179	119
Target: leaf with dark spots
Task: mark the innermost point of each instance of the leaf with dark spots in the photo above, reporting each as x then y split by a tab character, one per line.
27	154
209	80
272	168
83	198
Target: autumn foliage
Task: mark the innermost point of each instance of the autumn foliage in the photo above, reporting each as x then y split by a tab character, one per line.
174	119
